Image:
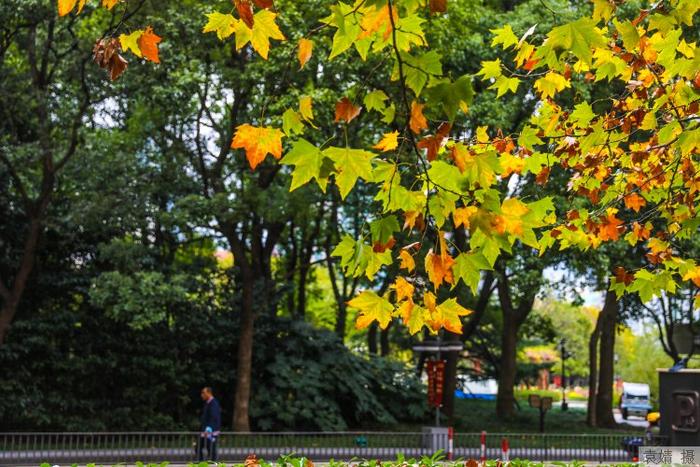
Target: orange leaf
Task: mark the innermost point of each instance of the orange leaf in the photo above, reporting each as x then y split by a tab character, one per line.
407	261
305	50
258	142
439	267
411	218
433	143
635	202
263	3
418	121
623	276
510	221
148	43
65	6
641	232
461	216
245	12
374	21
611	228
109	4
404	289
438	6
405	310
382	247
346	110
389	142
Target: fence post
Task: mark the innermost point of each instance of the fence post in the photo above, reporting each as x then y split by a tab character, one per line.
450	443
504	450
483	446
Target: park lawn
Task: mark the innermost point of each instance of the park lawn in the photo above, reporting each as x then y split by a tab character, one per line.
477	415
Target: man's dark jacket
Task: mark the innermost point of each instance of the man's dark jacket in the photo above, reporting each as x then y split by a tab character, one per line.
211	415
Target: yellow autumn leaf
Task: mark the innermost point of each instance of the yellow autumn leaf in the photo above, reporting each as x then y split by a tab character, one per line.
264	29
403	288
109	4
389	142
510	221
460	216
223	24
407	261
413	316
372	308
258	142
447	315
130	42
306	108
693	275
551	83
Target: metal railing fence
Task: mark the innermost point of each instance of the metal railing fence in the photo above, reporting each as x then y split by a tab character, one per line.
124	447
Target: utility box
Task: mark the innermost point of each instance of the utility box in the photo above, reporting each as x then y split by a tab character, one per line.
435	438
679	404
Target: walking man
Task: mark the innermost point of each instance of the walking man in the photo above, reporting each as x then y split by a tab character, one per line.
211	425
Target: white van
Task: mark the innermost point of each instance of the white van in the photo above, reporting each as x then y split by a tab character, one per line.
635	400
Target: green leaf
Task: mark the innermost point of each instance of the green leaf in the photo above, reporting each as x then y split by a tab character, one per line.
628	31
452	96
345	250
491	69
307	160
446	176
578	37
409	32
348	28
375	100
419	69
468	267
528	138
350	164
503	85
383	229
582	115
292	123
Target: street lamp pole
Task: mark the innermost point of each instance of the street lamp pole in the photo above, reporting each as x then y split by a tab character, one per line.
564	356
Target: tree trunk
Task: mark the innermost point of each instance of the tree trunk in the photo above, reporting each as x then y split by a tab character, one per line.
506	395
341	320
513	317
450	382
11	297
301	294
606	373
372	338
593	373
244	365
384	341
7	314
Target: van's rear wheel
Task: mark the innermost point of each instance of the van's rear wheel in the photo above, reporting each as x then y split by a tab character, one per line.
624	414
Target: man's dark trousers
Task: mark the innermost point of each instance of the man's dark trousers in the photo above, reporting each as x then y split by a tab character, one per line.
210	443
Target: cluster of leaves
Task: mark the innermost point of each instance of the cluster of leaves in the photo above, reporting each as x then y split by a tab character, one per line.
630	158
141	42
